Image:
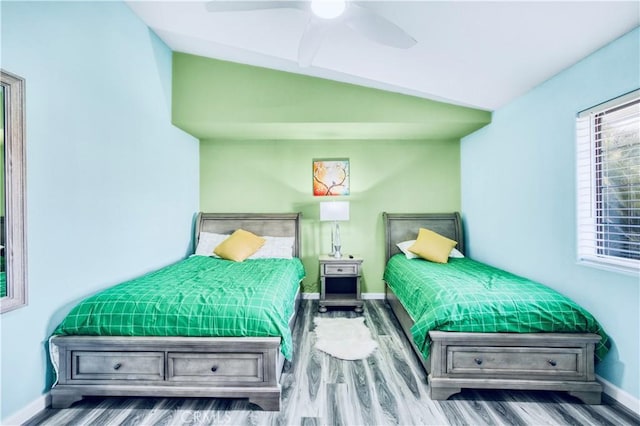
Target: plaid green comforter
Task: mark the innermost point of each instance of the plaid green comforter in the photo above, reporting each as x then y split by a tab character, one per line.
465	295
199	296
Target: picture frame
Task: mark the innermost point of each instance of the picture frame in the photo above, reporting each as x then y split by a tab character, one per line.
331	177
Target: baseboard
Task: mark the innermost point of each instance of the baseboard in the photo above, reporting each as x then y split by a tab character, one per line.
367	296
373	296
625	399
28	411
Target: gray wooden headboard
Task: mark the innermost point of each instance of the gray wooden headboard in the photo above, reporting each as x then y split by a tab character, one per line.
271	224
404	226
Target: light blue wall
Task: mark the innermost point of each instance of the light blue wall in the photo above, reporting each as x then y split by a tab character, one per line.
112	185
519	204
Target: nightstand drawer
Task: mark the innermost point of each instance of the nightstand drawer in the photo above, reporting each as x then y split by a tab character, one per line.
340	269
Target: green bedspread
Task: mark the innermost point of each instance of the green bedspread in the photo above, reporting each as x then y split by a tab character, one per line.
3	284
465	295
3	277
199	296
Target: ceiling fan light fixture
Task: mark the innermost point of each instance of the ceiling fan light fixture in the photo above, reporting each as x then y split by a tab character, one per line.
328	9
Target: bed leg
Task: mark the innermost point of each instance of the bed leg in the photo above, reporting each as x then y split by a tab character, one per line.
591	398
63	399
442	393
267	403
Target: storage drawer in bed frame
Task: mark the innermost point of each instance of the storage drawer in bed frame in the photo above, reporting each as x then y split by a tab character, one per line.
215	367
168	366
106	365
544	361
497	361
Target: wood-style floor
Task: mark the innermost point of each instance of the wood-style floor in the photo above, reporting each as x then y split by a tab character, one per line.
388	388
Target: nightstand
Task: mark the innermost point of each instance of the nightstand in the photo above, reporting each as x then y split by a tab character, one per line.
340	282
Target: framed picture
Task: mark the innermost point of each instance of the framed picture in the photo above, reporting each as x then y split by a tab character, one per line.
331	177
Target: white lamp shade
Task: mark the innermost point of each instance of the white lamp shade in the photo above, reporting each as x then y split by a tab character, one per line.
334	210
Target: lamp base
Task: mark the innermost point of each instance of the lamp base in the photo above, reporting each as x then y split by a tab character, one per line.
336	252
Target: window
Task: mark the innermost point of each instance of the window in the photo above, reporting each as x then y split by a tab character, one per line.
608	183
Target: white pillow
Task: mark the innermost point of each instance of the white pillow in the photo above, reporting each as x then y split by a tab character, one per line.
275	247
455	253
207	241
404	247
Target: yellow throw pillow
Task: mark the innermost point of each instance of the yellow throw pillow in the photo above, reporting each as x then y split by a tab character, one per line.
432	246
240	245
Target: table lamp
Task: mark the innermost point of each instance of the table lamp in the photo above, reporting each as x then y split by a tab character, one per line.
334	211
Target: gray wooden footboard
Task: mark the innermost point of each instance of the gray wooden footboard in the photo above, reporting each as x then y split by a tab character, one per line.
168	367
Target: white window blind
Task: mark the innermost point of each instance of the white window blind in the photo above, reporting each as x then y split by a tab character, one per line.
608	183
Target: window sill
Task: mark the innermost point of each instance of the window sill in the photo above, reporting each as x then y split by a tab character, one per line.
621	269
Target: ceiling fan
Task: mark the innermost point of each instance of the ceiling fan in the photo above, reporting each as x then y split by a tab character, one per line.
324	14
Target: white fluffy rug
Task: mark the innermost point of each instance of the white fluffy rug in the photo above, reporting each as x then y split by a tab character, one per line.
344	338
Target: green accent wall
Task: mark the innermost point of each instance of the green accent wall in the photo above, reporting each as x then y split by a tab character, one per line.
214	99
260	130
276	176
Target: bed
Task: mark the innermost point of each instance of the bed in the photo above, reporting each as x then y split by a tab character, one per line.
185	358
509	358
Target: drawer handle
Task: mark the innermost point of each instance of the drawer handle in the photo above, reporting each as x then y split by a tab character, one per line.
214	368
478	361
339	269
552	362
117	366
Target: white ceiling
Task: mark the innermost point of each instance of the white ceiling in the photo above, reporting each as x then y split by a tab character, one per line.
473	53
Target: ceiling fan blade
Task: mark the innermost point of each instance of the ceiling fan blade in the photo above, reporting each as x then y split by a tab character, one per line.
244	6
311	40
377	28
